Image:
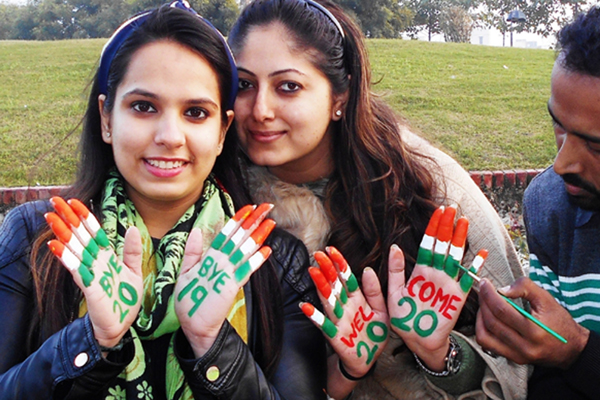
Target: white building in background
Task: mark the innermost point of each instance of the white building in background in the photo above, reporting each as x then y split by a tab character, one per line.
493	37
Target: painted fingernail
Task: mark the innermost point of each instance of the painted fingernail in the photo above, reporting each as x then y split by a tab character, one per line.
231	226
68	214
434	222
446	225
479	260
71	262
460	232
65	211
444	236
345	271
62	232
330	273
252	264
425	253
325	289
457	248
466	281
256	239
258	214
90	220
316	316
60	229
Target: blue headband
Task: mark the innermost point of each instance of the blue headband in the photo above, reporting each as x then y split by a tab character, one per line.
131	25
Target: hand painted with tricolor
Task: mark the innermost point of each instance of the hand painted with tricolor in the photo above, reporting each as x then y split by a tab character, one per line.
356	322
425	309
208	283
112	287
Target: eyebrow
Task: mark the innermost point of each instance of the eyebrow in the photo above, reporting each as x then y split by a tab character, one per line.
145	93
578	134
272	74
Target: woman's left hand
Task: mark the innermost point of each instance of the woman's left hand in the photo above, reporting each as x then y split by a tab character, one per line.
425	309
357	322
208	283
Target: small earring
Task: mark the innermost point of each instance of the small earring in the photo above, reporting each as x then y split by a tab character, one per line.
338	113
107	135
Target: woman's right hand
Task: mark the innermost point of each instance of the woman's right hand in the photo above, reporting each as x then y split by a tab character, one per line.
425	309
357	322
113	288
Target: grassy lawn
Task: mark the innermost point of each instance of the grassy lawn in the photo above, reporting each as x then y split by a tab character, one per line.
486	106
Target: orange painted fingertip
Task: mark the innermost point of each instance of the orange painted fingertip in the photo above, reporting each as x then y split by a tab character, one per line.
446	225
483	253
434	222
79	208
265	251
320	281
337	258
258	214
460	232
58	226
262	232
308	309
243	212
326	265
56	247
65	211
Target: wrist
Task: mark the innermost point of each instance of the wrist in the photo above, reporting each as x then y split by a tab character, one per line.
355	377
451	363
200	344
435	360
579	342
117	347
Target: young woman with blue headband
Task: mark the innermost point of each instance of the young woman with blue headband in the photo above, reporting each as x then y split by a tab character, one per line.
163	291
349	178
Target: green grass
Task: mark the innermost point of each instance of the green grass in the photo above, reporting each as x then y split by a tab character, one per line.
461	97
484	105
42	98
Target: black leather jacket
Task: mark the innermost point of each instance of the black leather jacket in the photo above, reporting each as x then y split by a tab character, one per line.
69	365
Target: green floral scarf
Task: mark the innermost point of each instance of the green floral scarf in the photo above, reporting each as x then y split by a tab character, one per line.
160	267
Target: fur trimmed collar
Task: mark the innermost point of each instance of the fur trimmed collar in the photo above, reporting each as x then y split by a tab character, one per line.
297	209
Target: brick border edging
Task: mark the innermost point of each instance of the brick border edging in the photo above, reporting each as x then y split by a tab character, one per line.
518	178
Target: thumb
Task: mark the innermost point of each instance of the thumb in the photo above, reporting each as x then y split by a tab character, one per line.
133	250
193	251
371	289
396	279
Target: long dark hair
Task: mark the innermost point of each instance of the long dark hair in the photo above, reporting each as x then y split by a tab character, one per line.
382	191
56	297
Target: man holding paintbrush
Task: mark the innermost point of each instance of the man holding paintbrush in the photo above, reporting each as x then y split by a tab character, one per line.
562	217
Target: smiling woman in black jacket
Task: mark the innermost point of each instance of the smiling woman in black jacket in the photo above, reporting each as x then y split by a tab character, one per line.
143	312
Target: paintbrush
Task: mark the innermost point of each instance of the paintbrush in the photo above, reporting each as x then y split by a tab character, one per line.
519	309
